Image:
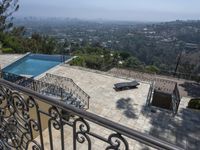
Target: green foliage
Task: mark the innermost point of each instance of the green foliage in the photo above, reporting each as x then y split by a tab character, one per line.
103	59
89	61
152	69
35	44
18	31
94	62
91	51
95	58
196	78
78	61
7	50
132	62
124	55
194	103
7	8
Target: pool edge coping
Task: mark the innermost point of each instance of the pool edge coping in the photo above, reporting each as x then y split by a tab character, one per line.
21	57
62	63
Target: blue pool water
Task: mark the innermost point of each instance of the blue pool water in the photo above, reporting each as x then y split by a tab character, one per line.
33	65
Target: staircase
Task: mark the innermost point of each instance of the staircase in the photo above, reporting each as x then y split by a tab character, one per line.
51	86
70	87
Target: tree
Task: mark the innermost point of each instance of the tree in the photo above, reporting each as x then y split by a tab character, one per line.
18	31
132	62
124	55
7	8
152	69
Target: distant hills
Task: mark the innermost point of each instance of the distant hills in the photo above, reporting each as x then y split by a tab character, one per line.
153	43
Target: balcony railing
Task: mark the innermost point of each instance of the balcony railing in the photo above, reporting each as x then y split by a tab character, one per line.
29	120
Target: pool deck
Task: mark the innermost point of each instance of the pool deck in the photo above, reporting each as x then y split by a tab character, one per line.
6	59
128	108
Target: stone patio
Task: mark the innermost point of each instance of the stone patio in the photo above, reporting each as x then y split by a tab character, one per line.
6	59
128	108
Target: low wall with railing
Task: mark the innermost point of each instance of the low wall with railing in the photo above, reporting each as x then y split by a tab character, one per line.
22	118
133	74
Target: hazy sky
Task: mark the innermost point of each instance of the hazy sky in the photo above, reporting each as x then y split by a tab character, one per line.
135	10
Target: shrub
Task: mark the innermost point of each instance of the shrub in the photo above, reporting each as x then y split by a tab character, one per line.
194	103
78	61
152	69
7	50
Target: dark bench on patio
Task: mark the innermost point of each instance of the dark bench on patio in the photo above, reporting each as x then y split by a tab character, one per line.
126	85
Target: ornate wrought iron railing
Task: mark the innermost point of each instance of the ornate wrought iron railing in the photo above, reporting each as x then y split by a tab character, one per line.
29	120
49	89
36	85
68	85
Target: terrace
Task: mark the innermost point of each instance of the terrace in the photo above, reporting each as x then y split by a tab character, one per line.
114	120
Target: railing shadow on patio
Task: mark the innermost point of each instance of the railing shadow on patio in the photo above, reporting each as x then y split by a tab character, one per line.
182	129
127	107
30	120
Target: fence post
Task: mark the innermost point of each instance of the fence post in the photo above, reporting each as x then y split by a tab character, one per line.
1	76
61	93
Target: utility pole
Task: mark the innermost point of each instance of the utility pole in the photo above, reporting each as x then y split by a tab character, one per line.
182	45
178	62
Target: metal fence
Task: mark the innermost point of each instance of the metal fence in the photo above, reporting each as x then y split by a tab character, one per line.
30	120
133	74
68	85
150	93
71	95
176	98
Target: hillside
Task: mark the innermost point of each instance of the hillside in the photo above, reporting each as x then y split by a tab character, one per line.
157	44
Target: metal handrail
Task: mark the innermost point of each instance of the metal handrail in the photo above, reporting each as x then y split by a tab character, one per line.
86	97
123	130
150	93
72	81
33	84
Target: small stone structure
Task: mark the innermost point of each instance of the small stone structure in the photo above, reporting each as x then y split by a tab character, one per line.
166	95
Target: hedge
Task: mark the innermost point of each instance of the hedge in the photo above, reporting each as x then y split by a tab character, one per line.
194	103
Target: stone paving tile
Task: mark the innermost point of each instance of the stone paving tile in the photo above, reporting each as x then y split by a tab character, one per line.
182	130
6	59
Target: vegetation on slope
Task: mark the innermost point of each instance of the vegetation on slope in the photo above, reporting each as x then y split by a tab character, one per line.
155	50
194	103
103	59
19	44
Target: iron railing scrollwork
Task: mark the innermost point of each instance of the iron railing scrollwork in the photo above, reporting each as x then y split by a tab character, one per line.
30	120
15	120
68	85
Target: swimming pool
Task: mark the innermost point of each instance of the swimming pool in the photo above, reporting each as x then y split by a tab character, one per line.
34	64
